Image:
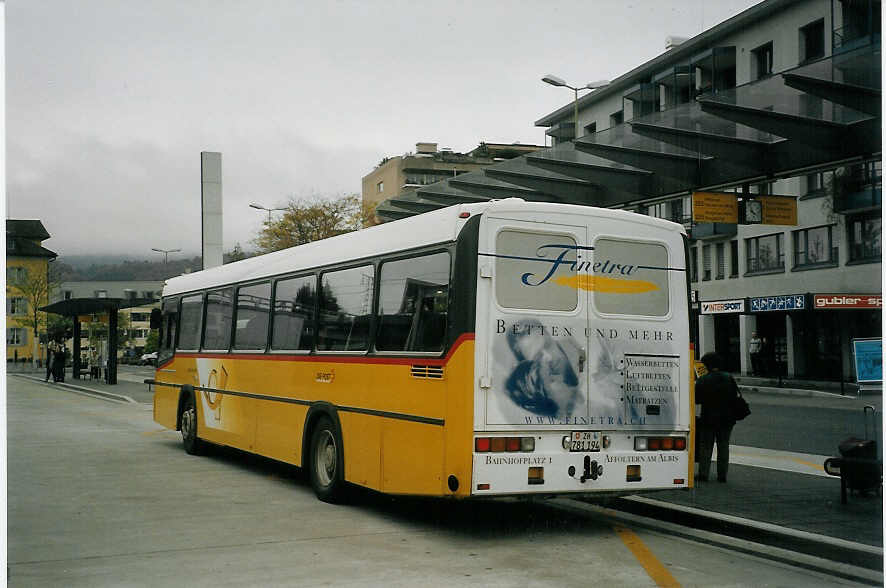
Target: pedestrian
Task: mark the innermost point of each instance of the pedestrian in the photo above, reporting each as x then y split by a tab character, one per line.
715	392
50	350
755	348
58	363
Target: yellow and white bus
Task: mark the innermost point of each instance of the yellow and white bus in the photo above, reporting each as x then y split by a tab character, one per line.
502	348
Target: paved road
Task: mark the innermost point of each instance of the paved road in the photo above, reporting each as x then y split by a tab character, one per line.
803	424
99	495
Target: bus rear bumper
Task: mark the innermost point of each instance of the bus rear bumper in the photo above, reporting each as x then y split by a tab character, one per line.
556	473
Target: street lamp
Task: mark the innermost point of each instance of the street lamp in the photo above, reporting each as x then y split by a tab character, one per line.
165	253
260	207
555	81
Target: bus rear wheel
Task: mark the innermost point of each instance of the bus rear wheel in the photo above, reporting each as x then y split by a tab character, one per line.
327	462
193	445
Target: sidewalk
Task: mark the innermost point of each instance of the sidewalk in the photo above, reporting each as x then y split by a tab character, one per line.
800	387
129	387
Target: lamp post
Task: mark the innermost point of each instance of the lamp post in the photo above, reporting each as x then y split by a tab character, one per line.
257	206
165	253
555	81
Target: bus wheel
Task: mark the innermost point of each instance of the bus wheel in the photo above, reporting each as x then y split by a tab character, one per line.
193	444
327	463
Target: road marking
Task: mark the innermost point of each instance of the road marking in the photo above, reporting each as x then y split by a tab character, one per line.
816	466
146	433
656	570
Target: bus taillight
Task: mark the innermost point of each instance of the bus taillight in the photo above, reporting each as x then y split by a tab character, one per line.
503	444
659	443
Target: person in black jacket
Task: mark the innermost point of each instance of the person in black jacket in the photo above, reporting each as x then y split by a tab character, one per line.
715	392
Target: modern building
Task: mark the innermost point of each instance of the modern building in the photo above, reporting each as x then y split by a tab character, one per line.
27	278
135	319
397	175
783	99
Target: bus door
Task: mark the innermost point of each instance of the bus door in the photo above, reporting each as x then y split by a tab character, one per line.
634	353
534	349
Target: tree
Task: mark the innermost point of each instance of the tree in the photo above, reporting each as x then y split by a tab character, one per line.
35	288
152	343
305	221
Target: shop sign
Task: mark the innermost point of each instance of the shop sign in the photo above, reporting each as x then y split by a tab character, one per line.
829	301
722	306
785	302
868	355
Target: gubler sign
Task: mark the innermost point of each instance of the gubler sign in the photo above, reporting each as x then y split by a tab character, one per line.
830	301
722	306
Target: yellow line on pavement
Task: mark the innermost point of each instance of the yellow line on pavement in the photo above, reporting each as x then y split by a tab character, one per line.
656	570
156	432
817	466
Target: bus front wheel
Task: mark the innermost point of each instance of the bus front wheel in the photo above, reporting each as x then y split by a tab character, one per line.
193	445
327	463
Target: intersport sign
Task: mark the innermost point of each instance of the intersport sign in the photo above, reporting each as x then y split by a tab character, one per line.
722	306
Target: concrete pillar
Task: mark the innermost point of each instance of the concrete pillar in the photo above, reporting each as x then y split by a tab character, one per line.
706	335
112	346
211	200
789	336
747	324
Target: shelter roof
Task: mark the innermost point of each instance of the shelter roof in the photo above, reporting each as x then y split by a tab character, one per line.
80	306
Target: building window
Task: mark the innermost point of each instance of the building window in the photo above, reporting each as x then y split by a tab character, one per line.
148	295
678	210
68	294
16	306
16	275
814	246
721	260
765	253
733	259
100	294
864	237
812	41
129	294
761	61
706	262
16	336
693	265
616	118
380	187
591	128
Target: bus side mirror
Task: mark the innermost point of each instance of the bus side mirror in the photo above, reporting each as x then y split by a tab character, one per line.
156	319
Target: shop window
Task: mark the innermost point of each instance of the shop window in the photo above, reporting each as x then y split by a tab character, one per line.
413	303
814	246
812	41
765	254
721	260
345	309
761	61
733	259
294	314
865	237
219	314
253	308
706	262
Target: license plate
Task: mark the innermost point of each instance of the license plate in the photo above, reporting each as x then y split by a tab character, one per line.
585	441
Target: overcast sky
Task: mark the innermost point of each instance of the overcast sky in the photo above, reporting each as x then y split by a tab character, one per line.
110	103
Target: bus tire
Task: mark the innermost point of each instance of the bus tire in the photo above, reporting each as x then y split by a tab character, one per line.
327	462
192	443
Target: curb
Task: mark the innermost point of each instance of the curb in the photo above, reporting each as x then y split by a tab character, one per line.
83	390
794	392
780	552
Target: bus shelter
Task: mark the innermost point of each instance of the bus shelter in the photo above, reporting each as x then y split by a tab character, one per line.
77	307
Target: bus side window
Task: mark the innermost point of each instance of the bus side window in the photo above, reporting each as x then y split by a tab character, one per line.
293	321
253	306
191	323
168	324
413	304
219	314
345	309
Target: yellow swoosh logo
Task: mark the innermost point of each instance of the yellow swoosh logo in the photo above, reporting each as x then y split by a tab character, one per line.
604	284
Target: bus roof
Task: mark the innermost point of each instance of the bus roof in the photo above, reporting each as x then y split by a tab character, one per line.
439	226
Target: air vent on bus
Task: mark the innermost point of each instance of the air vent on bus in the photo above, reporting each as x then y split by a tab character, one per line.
434	372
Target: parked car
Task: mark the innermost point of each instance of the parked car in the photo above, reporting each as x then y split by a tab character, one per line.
148	359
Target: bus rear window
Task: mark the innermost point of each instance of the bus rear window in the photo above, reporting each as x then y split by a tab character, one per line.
630	277
528	274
